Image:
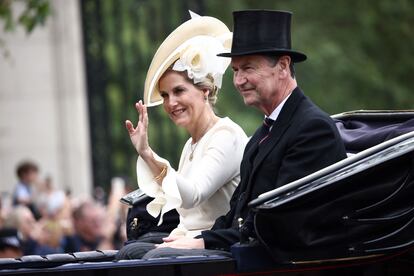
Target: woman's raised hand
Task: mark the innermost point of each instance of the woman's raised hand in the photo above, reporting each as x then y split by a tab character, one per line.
139	135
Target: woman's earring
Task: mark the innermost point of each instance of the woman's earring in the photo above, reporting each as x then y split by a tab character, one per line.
205	98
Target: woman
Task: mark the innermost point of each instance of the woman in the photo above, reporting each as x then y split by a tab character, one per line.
185	75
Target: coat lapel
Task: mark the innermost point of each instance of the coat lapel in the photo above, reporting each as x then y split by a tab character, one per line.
279	127
248	157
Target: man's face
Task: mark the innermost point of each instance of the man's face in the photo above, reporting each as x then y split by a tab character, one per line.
256	80
89	226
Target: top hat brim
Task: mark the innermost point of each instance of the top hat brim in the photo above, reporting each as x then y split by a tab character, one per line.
294	55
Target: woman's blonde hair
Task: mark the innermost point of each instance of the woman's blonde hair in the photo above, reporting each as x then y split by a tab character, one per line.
208	84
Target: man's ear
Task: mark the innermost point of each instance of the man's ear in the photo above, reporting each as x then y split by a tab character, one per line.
284	62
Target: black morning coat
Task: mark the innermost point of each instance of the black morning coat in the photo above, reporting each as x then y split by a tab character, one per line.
302	140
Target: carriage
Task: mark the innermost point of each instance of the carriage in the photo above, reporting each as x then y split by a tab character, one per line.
355	217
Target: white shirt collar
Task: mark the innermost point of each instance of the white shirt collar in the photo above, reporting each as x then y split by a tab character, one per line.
277	110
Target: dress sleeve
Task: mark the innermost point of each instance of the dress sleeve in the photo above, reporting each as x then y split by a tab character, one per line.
165	198
218	164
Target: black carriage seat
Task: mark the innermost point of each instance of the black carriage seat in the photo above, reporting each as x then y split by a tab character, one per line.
53	260
60	265
94	256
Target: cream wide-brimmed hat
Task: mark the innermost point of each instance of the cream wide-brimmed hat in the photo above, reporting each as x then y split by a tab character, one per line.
192	47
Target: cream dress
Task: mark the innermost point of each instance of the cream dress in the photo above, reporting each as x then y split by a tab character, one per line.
201	188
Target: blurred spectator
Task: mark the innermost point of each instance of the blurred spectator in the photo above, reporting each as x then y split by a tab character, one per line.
21	218
51	238
27	173
88	222
97	227
65	224
1	213
115	233
99	195
9	244
64	216
49	201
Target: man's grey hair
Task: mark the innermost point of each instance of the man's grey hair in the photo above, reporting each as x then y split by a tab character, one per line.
272	60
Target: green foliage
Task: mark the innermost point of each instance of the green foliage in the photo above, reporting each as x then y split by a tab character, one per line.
360	56
35	13
6	14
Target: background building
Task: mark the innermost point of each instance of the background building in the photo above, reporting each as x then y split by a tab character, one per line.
43	100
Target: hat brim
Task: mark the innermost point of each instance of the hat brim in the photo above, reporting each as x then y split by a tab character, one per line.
295	55
168	52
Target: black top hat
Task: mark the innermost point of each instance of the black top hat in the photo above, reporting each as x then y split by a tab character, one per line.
262	32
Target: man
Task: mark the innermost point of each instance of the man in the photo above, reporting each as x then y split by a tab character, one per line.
297	138
89	228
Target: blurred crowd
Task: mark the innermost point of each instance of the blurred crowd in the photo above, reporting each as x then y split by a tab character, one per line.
42	219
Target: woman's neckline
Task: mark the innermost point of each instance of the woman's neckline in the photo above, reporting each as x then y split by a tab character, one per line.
209	128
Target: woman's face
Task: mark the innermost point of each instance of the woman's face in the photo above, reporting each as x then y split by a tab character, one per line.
183	101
